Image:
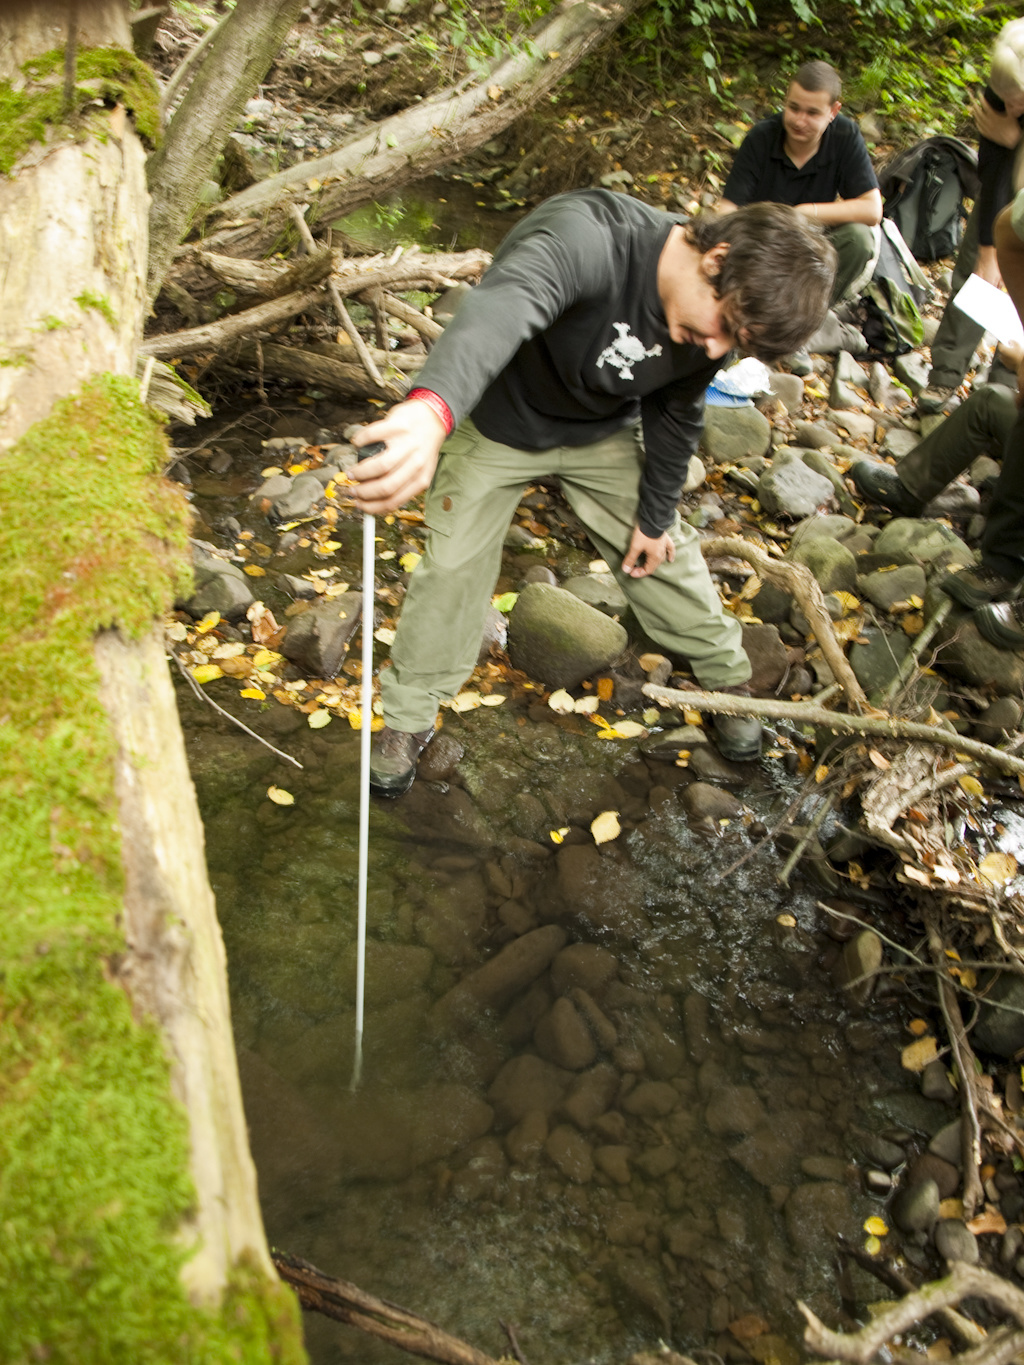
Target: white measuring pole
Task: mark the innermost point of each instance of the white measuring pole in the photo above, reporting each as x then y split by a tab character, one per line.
366	713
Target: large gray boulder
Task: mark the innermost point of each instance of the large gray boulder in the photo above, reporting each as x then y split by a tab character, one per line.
558	639
317	641
732	434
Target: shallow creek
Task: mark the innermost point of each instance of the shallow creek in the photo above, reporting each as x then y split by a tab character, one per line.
651	1125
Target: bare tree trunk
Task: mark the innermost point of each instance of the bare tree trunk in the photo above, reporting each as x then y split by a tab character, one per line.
435	132
236	61
122	1123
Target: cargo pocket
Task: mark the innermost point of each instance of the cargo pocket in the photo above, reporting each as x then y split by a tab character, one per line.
439	503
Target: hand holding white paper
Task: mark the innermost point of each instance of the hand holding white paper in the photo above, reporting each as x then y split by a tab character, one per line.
991	308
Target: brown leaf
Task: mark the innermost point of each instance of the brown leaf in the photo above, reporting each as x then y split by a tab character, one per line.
748	1327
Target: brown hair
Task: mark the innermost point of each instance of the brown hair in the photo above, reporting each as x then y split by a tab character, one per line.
815	76
776	280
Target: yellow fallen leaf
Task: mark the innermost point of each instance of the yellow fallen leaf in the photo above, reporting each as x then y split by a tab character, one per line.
876	1226
254	570
872	1246
271	470
879	760
494	92
971	785
951	1208
465	701
253	693
319	718
918	1027
297	468
651	716
786	921
605	688
385	634
628	729
605	827
204	673
821	772
561	702
693	717
608	734
263	658
211	619
409	561
557	835
586	706
329	547
649	662
996	869
493	699
230	649
280	797
916	1056
848	602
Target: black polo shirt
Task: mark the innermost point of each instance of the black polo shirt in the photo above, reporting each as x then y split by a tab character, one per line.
763	173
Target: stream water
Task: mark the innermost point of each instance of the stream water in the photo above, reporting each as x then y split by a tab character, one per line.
653	1130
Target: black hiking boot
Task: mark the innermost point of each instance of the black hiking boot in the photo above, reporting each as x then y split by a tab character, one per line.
738	738
879	483
393	756
977	586
1002	624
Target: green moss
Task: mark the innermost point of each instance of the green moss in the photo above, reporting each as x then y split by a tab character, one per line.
87	299
108	73
17	361
53	324
93	1149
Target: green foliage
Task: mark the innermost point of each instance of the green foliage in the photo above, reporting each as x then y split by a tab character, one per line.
99	302
480	43
94	1153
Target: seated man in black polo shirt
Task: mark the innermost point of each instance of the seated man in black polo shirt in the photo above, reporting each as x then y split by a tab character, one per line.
814	158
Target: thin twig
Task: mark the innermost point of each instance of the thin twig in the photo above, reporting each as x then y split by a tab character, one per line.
227	714
968	1333
306	237
509	1329
922	641
973	1192
817	820
187	66
907	952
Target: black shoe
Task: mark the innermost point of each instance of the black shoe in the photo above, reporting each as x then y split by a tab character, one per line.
978	586
393	756
879	483
937	398
1002	624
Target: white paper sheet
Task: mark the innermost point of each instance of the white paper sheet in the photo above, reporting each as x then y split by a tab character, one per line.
991	308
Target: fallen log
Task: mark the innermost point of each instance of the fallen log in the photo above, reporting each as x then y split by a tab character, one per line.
343	378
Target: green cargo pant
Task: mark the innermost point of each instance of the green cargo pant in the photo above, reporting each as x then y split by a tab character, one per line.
981	425
476	489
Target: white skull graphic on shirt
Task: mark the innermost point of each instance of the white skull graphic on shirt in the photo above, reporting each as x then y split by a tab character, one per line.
625	351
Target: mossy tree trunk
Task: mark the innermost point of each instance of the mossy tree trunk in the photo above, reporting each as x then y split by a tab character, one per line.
131	1227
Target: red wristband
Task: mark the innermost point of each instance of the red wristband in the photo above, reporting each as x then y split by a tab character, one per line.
435	402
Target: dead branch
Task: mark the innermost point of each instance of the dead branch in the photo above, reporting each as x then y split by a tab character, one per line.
398	308
205	696
970	1129
347	1303
216	335
801	583
885	726
962	1282
968	1333
308	366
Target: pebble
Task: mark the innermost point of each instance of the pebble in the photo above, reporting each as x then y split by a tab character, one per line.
955	1242
916	1208
614	1161
947	1143
652	1099
525	1142
928	1166
591	1095
935	1083
563	1037
571	1154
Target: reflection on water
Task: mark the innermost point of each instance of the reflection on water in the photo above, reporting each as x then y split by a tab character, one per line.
447	215
645	1118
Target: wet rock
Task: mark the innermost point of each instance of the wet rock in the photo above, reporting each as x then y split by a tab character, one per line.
731	434
771	1153
789	389
394	971
220	586
571	1154
494	985
651	1099
831	527
440	758
525	1142
663	1052
591	1095
913	370
768	658
599	890
887	1154
860	961
876	663
563	1037
968	655
886	589
814	435
999	1031
585	965
303	494
955	1242
611	1127
625	1225
557	638
928	1166
832	564
637	1284
947	1143
708	766
523	1084
1001	718
604	1031
735	1110
300	589
656	1162
538	573
793	490
485	1167
827	1168
916	1208
524	1016
447	1118
614	1161
701	801
317	641
666	745
857	426
905	540
449	818
935	1083
816	1214
697	1027
598	590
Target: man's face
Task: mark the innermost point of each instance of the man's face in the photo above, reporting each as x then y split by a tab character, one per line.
695	315
805	116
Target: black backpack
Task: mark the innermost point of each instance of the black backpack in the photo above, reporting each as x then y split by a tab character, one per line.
923	190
